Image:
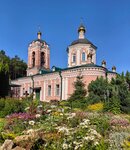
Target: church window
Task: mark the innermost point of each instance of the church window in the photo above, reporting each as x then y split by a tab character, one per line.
49	90
74	58
57	89
42	58
33	59
83	56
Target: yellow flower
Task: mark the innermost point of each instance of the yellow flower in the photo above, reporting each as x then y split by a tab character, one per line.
96	107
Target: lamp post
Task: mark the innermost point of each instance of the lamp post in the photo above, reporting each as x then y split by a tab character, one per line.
32	86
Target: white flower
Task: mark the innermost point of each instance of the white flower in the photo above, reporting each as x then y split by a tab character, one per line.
96	143
76	147
37	115
27	108
39	106
86	121
92	131
91	137
48	111
71	115
61	114
65	146
53	106
63	130
31	122
30	131
86	138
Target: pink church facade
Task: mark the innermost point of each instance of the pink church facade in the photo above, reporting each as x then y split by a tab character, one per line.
57	84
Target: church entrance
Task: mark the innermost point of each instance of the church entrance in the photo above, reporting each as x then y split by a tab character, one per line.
37	91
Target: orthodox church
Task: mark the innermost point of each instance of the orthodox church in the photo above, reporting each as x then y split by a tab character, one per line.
57	83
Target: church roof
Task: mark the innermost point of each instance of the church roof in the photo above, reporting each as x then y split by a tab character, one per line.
41	41
82	41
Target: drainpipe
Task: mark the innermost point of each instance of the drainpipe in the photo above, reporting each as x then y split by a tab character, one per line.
61	85
32	86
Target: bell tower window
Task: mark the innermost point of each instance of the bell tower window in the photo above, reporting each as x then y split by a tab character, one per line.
83	56
74	58
33	59
42	59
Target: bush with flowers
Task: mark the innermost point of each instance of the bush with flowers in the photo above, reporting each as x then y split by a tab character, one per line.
96	107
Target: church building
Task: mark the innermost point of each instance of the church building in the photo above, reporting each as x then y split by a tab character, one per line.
56	83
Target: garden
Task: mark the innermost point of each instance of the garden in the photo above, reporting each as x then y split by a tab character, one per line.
56	126
98	121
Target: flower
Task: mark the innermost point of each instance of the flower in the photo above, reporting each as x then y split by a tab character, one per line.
37	115
85	123
65	146
53	106
39	106
31	122
71	115
49	110
96	143
27	108
63	130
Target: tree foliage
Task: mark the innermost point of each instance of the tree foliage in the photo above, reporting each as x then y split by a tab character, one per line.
79	95
17	67
97	90
4	79
115	94
10	68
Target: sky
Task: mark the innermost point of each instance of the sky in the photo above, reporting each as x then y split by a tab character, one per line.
107	23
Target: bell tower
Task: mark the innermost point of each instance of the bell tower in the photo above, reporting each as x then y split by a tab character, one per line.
38	56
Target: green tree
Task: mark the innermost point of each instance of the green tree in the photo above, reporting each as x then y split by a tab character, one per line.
10	69
17	68
4	79
98	90
128	79
79	95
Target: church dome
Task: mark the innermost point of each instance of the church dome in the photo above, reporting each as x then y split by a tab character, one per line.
39	38
81	28
82	39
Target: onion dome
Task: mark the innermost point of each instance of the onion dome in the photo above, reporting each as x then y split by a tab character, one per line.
39	34
103	62
81	28
114	69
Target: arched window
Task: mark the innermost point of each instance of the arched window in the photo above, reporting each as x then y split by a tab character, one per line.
33	59
74	58
83	56
42	58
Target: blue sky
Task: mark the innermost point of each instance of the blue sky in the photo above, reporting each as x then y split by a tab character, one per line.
107	23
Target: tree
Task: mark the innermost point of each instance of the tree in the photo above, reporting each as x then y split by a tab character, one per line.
79	94
10	69
98	90
17	68
128	79
4	79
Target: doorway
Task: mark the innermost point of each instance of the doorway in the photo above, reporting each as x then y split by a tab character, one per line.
37	91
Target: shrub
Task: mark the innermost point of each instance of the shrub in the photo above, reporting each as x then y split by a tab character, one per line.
96	107
116	139
9	106
126	143
102	124
2	124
